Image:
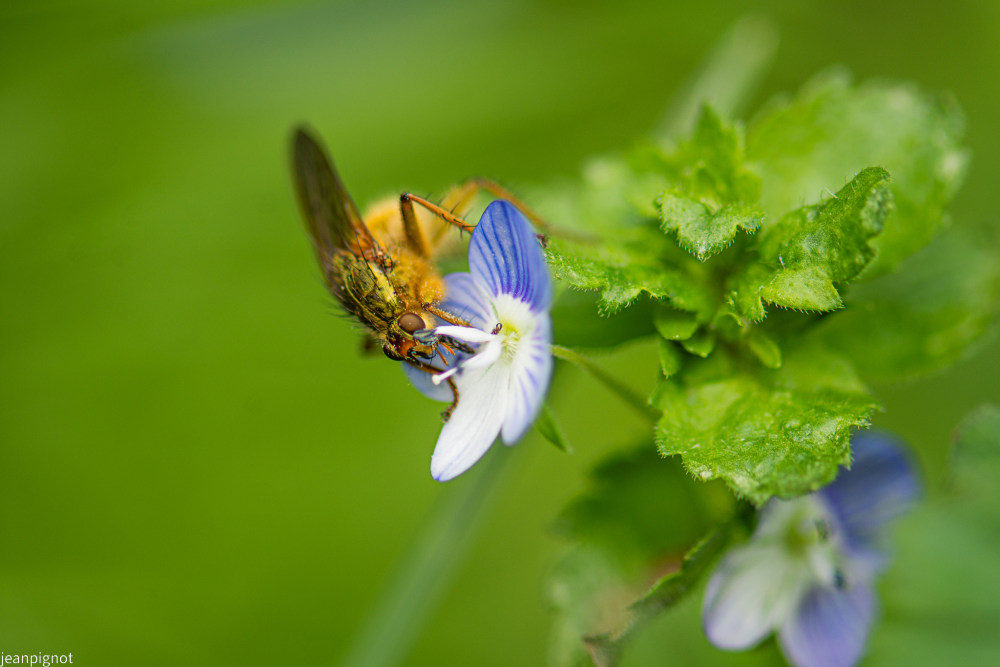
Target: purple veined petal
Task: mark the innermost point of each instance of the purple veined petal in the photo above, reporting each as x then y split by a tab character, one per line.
880	485
529	379
829	628
474	425
505	257
466	300
751	592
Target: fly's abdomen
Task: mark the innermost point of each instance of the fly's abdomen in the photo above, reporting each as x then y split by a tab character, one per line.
365	291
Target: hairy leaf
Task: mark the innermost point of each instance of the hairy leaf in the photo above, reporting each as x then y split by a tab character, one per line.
782	432
816	248
701	230
808	146
623	272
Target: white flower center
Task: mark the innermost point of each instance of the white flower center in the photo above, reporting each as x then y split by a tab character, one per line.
807	531
515	321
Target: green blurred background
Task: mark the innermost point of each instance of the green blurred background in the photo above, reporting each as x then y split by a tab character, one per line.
196	464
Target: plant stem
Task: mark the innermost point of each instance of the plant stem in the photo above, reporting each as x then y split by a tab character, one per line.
423	574
727	77
630	397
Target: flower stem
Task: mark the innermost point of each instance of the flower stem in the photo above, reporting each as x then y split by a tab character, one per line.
630	397
422	576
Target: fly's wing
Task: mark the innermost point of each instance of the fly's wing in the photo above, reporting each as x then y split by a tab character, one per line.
331	216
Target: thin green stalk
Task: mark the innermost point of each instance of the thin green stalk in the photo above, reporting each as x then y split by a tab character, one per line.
423	574
620	389
727	77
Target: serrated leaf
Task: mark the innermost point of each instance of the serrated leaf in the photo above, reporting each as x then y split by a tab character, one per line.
745	290
801	288
715	168
924	316
623	272
548	427
819	247
832	129
782	432
702	231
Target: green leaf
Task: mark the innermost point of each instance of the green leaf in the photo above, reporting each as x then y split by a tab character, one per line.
548	427
819	247
924	316
782	432
702	231
801	288
670	358
832	129
623	271
745	290
674	324
701	344
713	166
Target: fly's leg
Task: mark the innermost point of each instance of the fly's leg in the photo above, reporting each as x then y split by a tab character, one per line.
445	315
446	415
427	368
458	198
461	196
414	235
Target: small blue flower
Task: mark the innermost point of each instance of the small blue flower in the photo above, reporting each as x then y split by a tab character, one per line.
808	571
505	298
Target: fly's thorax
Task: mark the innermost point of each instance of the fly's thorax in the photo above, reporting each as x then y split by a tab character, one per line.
415	279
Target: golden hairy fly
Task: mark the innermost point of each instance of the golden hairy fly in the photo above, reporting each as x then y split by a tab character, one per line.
381	268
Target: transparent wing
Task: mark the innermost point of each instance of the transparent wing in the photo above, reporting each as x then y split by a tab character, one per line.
332	218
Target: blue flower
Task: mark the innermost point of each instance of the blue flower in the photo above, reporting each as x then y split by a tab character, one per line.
808	571
505	298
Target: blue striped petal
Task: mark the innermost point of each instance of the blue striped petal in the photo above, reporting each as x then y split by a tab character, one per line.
529	380
474	425
506	258
829	628
464	299
880	485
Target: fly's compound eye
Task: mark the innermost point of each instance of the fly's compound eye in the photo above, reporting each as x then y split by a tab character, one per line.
411	323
